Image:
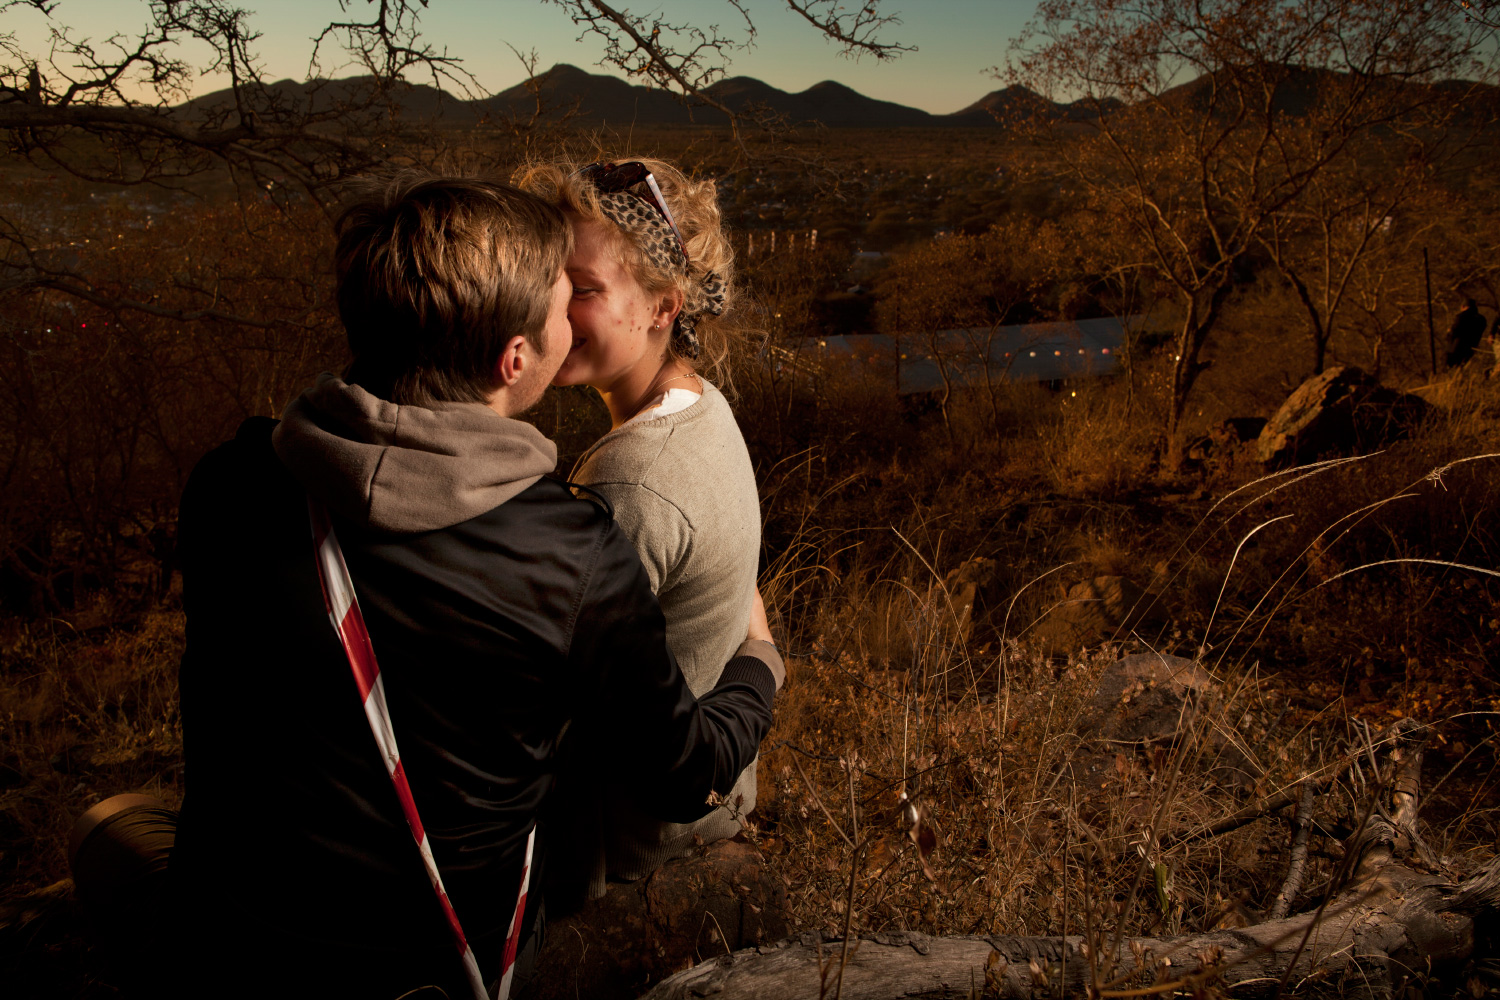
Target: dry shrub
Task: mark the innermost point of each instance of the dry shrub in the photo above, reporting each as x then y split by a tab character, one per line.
953	793
1101	443
104	411
87	715
918	778
957	792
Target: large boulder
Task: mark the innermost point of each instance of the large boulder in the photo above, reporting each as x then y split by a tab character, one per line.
1343	411
721	899
1146	697
1150	700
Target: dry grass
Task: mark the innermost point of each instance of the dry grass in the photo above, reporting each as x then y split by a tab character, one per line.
87	715
1101	443
934	775
1036	826
927	781
1030	825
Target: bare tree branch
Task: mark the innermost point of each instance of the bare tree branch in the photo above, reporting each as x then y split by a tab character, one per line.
855	31
686	59
1482	11
679	58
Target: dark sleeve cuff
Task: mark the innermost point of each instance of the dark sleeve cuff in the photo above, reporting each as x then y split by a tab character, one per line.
752	671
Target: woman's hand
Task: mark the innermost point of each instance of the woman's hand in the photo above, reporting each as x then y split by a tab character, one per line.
760	631
760	627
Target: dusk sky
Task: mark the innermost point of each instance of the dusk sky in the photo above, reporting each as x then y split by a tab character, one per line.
956	40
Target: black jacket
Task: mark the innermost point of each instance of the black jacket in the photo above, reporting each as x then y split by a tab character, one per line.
498	638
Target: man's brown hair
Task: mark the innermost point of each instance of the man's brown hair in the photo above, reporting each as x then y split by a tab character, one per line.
435	275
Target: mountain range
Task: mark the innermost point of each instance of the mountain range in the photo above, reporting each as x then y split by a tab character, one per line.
599	99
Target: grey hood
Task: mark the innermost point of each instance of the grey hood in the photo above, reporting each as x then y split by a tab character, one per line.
407	468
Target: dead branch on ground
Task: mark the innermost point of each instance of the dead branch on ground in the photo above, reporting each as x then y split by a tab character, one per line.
1395	925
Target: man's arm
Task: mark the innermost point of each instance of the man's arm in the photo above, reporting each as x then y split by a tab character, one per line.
641	723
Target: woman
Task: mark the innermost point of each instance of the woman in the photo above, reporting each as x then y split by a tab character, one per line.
653	328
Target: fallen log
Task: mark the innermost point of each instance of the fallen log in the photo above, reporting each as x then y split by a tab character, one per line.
1298	868
1375	942
1398	930
1395	925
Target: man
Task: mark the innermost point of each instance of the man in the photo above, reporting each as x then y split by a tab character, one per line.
509	619
1465	333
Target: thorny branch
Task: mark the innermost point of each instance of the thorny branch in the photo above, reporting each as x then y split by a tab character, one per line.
1298	867
389	45
115	112
1480	11
681	58
856	31
686	59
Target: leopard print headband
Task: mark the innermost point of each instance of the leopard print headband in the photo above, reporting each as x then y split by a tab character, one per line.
650	231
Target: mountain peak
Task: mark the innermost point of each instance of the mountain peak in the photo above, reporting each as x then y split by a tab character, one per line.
566	89
565	71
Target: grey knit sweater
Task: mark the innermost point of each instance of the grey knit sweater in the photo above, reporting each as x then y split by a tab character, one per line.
683	490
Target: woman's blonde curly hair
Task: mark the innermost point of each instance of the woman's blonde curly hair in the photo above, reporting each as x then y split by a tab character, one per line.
695	207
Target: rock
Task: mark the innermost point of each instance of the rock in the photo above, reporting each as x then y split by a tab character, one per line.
1340	412
1146	697
1095	611
966	587
1225	438
1238	430
690	910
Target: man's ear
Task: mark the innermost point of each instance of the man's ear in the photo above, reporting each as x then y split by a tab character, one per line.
513	361
667	308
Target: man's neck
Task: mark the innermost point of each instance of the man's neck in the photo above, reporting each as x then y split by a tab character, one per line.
509	403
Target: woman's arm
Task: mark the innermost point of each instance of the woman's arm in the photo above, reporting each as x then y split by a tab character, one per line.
655	526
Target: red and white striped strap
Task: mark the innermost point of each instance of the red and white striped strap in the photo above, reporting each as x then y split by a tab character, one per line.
349	623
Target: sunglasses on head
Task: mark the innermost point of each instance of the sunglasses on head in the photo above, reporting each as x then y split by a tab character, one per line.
609	178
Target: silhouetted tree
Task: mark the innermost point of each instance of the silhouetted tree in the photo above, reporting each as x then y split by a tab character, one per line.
135	332
1208	121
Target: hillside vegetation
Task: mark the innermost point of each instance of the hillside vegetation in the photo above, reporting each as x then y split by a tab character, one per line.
953	574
